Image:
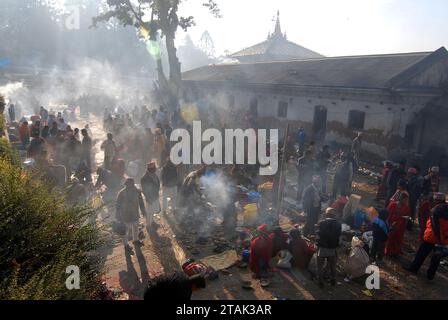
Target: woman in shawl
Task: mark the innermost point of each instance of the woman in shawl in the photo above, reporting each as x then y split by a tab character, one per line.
301	250
382	188
398	211
260	252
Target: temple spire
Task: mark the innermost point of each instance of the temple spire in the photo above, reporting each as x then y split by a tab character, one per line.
278	28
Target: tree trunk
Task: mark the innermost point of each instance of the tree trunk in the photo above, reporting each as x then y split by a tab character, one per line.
161	75
175	70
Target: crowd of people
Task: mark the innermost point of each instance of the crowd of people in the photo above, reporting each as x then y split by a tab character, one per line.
405	198
138	176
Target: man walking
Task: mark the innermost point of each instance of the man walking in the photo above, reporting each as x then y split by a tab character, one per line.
110	151
129	201
169	185
151	189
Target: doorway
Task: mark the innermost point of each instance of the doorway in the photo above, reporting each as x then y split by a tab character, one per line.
319	123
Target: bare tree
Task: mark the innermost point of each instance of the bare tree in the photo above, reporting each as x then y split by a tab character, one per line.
157	17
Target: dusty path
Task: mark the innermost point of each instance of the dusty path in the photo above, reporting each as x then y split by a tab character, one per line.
159	254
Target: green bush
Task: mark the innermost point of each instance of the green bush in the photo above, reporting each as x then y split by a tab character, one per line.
2	122
8	153
6	150
40	236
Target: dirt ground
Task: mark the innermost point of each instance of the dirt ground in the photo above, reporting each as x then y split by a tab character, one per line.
167	245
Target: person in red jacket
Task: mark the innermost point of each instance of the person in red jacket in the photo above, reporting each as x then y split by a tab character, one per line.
435	239
260	252
426	204
398	211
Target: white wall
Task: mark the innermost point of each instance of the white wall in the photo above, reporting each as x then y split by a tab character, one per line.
390	118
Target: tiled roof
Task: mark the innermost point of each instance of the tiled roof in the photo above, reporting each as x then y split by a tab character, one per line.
277	48
374	71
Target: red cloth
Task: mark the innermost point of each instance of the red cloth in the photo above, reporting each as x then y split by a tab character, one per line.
398	225
194	269
260	253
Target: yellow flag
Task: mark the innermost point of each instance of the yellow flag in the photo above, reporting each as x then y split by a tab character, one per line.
144	32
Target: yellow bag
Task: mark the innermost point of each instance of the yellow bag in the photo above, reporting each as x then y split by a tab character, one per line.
250	214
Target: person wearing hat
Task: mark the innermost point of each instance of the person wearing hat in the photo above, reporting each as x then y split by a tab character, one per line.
398	211
151	189
402	186
431	181
260	252
415	188
312	200
328	233
129	202
435	239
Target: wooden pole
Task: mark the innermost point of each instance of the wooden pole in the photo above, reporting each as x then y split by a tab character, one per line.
281	184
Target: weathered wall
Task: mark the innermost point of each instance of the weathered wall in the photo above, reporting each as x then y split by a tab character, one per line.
386	116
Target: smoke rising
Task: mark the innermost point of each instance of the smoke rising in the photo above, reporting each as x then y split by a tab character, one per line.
87	82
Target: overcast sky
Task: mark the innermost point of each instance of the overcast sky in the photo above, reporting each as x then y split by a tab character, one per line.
330	27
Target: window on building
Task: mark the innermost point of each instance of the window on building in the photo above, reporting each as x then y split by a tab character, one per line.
231	101
282	109
409	136
254	107
194	94
356	119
